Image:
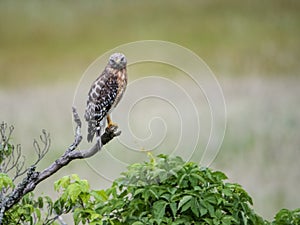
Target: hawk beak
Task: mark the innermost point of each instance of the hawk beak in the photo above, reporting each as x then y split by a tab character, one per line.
118	61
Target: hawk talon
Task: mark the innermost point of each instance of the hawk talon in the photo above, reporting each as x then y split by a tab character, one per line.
111	129
110	133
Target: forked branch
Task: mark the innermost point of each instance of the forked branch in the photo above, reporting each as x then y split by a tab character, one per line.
33	178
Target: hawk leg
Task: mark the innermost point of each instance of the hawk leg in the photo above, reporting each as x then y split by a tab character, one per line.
110	122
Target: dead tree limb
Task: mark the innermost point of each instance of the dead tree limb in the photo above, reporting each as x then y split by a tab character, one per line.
33	178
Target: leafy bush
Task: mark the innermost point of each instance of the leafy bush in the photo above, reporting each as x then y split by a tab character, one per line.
171	191
165	190
287	217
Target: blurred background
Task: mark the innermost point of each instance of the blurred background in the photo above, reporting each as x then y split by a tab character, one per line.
252	47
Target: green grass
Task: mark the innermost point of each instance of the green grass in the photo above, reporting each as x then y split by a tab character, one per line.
54	41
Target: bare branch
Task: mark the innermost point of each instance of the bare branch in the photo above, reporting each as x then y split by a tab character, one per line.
36	147
33	178
19	169
45	139
11	156
78	136
4	138
15	157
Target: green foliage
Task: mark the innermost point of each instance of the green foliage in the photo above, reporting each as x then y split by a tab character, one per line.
165	190
30	211
5	181
287	217
77	196
5	151
171	191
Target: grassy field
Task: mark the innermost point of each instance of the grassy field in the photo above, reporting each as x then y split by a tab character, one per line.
252	46
54	41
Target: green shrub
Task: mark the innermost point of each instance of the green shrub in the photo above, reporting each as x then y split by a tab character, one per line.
165	190
170	191
287	217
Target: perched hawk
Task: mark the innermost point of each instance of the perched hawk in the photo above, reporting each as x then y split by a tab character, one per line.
105	94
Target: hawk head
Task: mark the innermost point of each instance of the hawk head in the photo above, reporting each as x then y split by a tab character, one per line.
117	61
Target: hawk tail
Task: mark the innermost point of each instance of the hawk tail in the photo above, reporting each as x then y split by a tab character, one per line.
91	131
95	127
98	134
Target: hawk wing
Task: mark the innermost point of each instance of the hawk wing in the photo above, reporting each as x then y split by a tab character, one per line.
101	97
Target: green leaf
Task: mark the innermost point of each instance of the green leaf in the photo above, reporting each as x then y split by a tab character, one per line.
244	217
159	208
180	183
40	202
5	181
184	200
173	207
186	206
99	195
166	196
94	216
84	184
211	198
195	206
227	220
38	213
138	223
227	192
62	183
76	216
210	209
200	178
153	193
138	191
75	177
219	176
203	211
73	191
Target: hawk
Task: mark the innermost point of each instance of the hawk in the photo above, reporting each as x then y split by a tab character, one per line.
104	95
